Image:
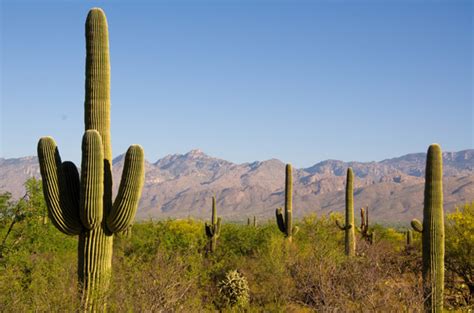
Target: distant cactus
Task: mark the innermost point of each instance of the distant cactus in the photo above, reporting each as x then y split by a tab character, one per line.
349	227
368	235
249	223
84	206
234	289
409	235
213	230
285	222
432	231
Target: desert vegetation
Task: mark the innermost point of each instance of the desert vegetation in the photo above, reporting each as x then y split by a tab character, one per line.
190	265
165	266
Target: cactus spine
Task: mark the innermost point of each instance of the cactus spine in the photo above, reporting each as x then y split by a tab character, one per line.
285	222
83	206
213	230
349	227
432	231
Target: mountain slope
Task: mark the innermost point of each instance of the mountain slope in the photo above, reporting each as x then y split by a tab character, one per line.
182	185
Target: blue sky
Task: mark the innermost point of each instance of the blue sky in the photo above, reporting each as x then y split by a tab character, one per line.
301	81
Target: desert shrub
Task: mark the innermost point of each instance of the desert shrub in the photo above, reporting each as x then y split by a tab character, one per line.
45	282
372	282
163	267
268	274
148	238
390	235
168	282
240	240
459	260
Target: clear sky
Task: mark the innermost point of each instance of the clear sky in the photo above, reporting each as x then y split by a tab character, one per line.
301	81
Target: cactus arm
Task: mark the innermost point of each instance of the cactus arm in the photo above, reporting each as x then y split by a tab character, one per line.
409	236
295	230
64	215
280	220
338	224
217	229
209	231
214	212
289	223
92	180
371	237
341	227
417	226
130	189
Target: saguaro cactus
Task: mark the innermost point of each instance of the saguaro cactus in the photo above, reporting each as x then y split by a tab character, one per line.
213	230
349	227
364	226
84	206
432	231
409	235
285	222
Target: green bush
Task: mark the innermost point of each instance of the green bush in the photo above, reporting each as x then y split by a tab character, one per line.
164	266
459	260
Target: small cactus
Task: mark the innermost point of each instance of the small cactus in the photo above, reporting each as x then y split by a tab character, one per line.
409	237
234	289
432	231
349	227
213	230
364	226
285	222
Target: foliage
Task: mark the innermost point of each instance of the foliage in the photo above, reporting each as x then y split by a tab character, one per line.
163	268
31	208
459	253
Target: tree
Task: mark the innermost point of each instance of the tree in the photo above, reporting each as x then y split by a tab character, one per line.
30	208
460	244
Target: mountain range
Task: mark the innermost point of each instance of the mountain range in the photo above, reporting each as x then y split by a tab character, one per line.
181	185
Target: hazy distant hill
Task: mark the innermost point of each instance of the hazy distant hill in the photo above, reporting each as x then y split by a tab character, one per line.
181	185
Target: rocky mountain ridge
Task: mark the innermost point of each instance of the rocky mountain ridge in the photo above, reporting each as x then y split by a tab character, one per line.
181	185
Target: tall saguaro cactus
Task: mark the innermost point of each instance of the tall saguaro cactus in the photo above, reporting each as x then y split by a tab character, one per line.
83	206
285	222
432	231
349	227
213	230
